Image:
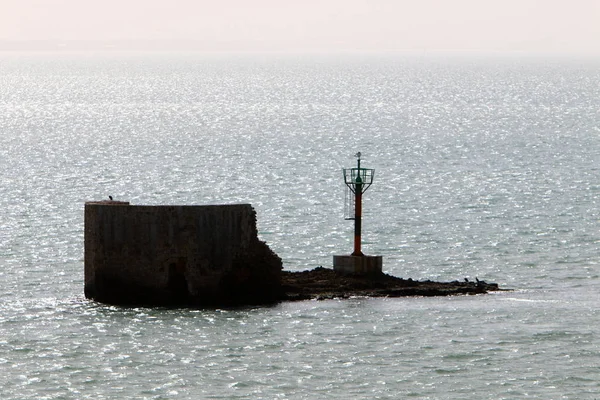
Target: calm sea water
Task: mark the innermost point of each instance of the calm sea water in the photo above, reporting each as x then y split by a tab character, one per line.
486	167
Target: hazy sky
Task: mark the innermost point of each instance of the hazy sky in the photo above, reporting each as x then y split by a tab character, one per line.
562	26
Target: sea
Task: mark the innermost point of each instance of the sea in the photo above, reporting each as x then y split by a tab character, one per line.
487	166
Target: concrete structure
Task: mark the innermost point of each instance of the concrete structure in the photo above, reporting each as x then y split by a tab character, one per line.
177	255
358	265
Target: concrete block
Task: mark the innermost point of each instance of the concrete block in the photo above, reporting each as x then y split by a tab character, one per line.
358	265
177	255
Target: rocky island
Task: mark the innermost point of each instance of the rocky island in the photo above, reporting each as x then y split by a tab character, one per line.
323	283
210	256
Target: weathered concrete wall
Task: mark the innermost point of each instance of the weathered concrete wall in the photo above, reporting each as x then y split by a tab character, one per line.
177	255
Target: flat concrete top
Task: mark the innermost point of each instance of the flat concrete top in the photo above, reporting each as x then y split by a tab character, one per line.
109	202
126	203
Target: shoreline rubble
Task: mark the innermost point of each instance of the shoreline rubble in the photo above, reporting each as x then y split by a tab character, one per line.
324	283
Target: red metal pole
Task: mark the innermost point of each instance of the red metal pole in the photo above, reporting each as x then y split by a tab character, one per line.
357	219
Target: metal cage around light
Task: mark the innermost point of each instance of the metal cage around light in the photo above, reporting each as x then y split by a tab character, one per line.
358	176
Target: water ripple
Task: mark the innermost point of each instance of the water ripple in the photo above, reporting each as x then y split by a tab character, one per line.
485	168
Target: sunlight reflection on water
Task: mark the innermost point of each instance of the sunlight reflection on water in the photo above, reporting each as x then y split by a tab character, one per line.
483	169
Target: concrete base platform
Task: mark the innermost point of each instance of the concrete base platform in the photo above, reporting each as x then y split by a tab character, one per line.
358	265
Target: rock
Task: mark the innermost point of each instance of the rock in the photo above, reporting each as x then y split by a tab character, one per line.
322	283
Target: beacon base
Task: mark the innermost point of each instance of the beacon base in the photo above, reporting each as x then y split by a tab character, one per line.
358	265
